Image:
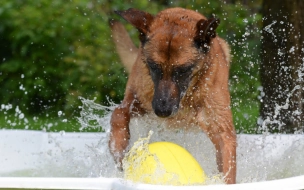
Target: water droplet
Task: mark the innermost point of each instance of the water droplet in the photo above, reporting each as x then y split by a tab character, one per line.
21	116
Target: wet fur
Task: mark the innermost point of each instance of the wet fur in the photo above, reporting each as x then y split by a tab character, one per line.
180	74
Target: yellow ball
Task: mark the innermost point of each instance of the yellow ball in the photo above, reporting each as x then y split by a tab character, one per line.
165	163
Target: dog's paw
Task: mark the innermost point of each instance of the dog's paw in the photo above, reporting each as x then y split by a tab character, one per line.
118	157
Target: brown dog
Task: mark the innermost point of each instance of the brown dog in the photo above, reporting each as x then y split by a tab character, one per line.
181	74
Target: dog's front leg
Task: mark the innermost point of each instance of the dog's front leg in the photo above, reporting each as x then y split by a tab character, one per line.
225	145
219	129
120	133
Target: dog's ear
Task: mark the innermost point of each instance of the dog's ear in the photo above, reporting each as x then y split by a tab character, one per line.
205	31
140	19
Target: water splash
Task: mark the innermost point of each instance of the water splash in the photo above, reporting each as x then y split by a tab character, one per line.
273	119
139	128
94	115
270	30
259	157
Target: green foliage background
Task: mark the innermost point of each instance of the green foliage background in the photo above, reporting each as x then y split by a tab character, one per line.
52	52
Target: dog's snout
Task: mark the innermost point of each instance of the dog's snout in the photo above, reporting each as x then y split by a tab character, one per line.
166	99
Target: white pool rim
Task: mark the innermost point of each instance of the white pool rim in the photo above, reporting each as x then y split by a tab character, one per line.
116	183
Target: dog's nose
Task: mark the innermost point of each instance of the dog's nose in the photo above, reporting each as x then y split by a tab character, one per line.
163	112
163	108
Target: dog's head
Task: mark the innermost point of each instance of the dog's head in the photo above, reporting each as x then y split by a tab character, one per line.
174	43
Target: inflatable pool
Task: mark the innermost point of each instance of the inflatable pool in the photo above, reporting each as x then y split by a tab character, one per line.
40	160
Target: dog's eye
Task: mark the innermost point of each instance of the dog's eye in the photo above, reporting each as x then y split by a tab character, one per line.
155	70
181	74
152	65
183	70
